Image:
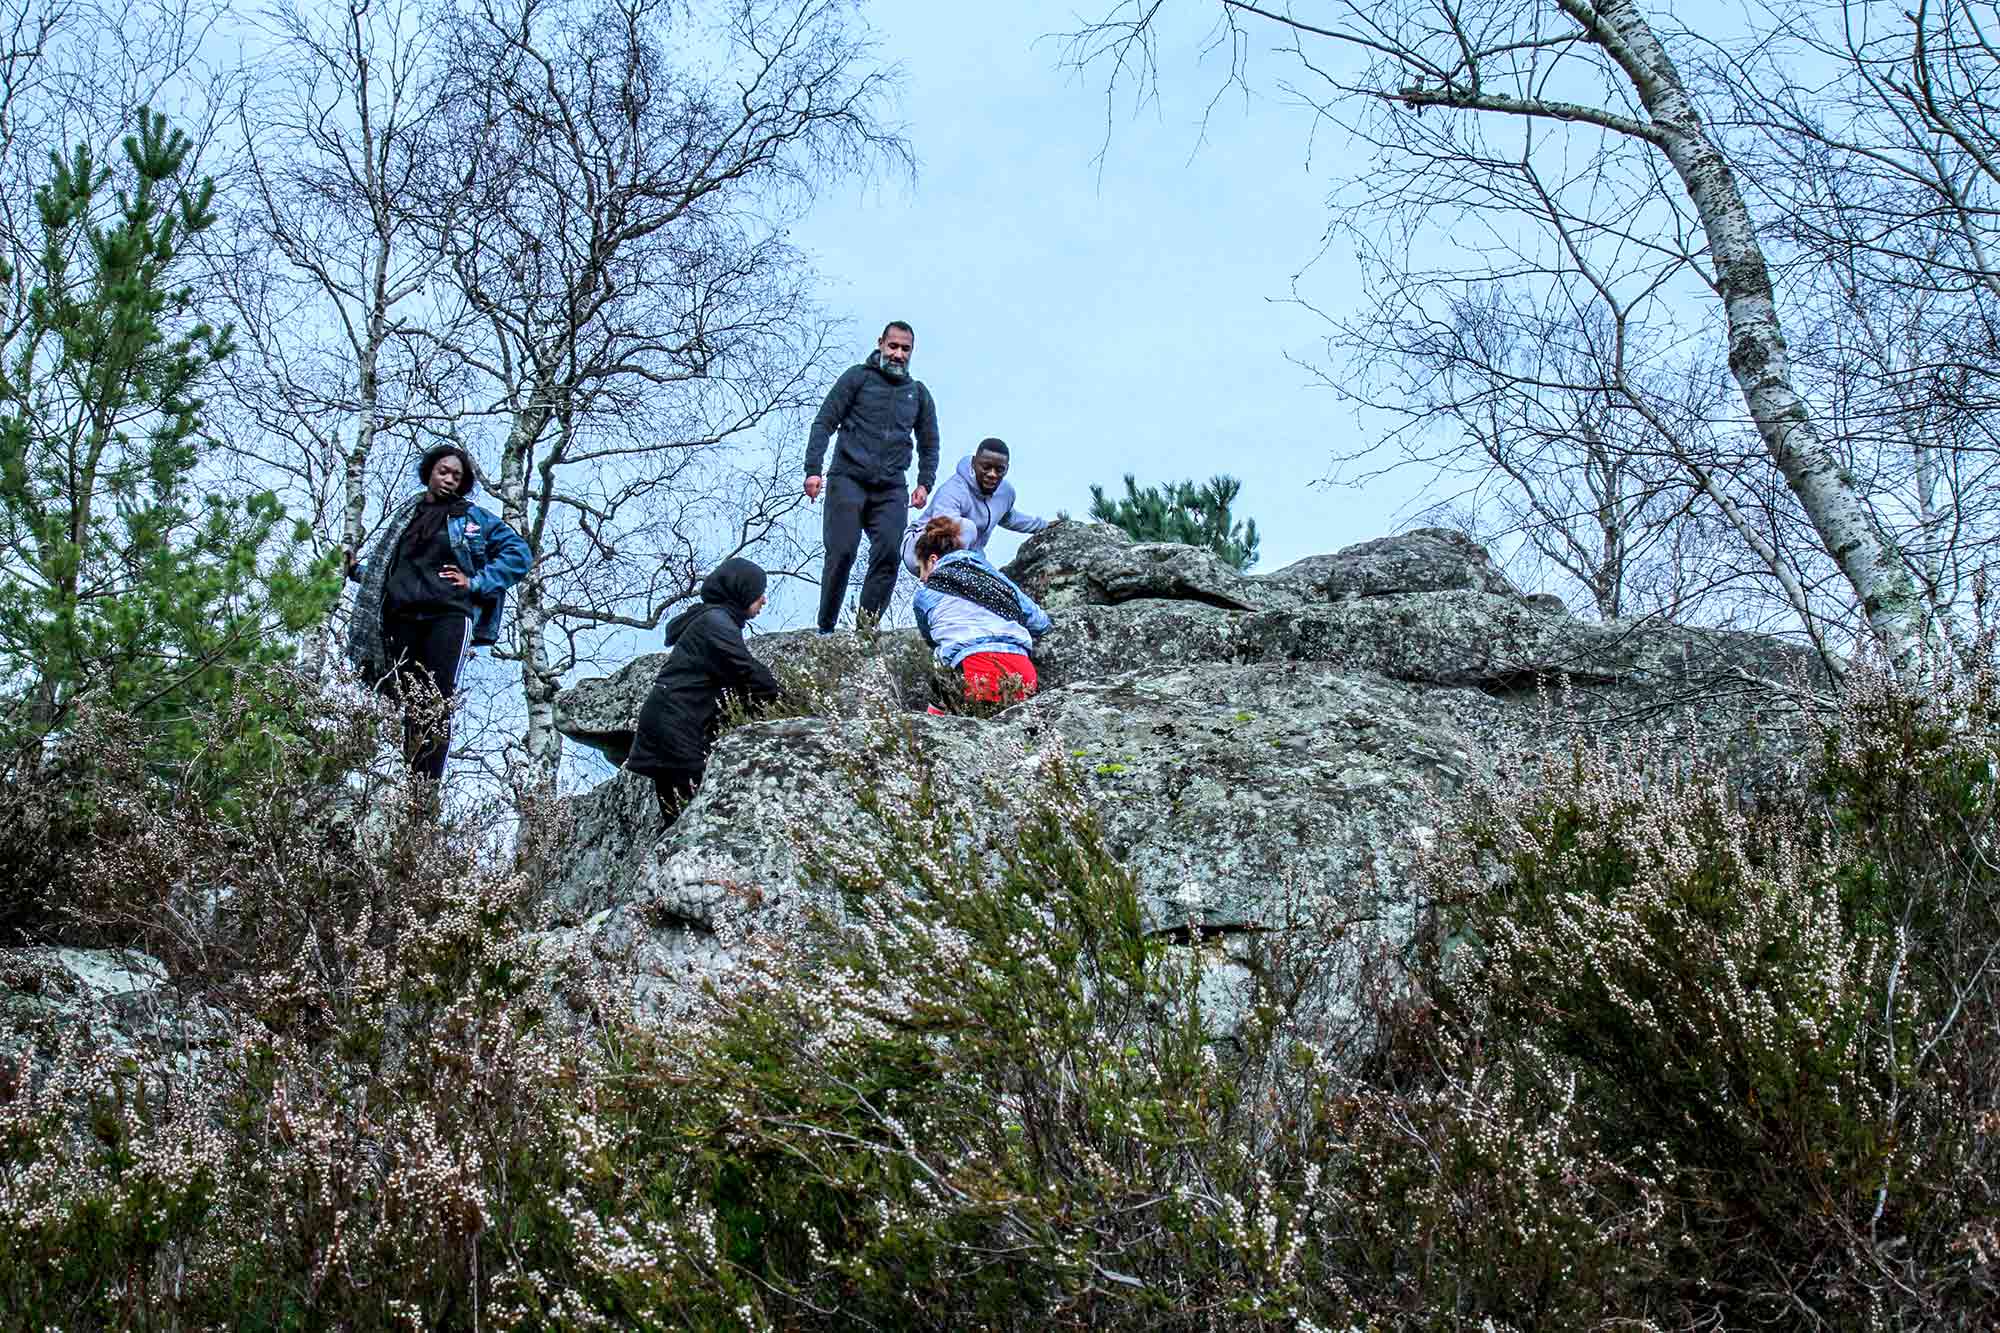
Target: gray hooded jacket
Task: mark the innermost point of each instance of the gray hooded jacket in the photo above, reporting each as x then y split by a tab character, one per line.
977	514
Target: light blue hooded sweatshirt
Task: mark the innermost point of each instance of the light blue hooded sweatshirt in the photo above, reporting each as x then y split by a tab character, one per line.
977	514
958	627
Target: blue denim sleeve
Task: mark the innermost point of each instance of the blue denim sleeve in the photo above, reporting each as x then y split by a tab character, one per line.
508	558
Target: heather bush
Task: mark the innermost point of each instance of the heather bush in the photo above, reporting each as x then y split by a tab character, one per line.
992	1094
1662	1059
983	1093
1766	1016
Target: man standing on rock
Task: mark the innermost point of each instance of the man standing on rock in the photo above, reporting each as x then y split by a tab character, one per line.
980	497
876	408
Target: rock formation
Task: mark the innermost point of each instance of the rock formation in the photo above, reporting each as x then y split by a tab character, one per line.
1256	747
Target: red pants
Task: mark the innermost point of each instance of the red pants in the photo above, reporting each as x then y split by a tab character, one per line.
986	674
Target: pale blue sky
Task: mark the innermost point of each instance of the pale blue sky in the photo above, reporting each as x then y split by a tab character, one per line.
1131	318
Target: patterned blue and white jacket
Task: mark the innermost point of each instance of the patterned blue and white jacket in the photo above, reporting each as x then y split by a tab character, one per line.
970	607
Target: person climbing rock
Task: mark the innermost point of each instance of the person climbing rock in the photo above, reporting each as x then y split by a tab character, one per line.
974	617
433	586
979	495
876	408
680	718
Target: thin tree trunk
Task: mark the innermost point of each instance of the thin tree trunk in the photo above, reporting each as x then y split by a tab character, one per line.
539	684
1758	356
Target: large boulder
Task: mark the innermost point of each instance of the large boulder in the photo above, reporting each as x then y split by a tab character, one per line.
1074	563
1259	752
1243	798
1421	560
1477	639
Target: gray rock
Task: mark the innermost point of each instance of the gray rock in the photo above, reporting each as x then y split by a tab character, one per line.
610	823
1074	563
1421	560
1260	753
1548	603
1243	798
121	997
1482	640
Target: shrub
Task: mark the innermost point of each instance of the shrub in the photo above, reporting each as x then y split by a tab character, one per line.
1664	1060
1739	1006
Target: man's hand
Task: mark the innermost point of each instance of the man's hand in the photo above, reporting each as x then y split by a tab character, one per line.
918	496
812	488
455	576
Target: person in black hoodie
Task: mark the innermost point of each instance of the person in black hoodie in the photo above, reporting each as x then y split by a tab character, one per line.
876	408
680	718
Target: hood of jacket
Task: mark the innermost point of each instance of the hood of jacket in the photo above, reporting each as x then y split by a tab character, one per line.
984	510
734	585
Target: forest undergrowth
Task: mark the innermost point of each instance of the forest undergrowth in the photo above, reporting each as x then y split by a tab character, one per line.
1663	1056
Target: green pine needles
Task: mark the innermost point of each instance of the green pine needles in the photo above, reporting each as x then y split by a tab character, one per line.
1183	512
126	583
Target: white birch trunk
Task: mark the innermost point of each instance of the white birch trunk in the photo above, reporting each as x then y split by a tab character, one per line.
1758	356
539	683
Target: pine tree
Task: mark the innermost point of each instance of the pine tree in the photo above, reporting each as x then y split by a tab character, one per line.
1183	512
124	584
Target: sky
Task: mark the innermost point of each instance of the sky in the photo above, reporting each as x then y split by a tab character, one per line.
1128	314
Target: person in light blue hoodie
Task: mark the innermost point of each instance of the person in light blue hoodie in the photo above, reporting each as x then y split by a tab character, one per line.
974	617
980	497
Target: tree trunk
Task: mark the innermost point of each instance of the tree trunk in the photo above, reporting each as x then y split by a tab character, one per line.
538	683
1758	356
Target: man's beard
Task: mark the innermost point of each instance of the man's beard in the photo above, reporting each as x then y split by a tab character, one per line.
895	370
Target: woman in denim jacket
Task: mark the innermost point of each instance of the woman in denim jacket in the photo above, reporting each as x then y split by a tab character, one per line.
432	589
974	617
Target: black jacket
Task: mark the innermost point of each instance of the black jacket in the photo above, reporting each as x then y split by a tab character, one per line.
875	416
678	722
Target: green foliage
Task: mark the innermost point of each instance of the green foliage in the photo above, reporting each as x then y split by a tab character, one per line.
1780	1014
125	584
1666	1060
1183	512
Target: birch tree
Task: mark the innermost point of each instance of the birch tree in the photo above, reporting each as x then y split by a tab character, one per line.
1881	187
612	212
334	287
1555	433
1453	96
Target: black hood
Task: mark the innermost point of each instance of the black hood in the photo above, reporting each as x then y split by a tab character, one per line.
734	585
424	464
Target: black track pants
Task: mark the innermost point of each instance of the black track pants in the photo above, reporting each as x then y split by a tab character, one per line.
674	788
427	654
851	509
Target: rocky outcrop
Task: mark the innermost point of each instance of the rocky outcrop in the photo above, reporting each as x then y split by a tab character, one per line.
1091	564
1422	560
119	1000
1259	750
